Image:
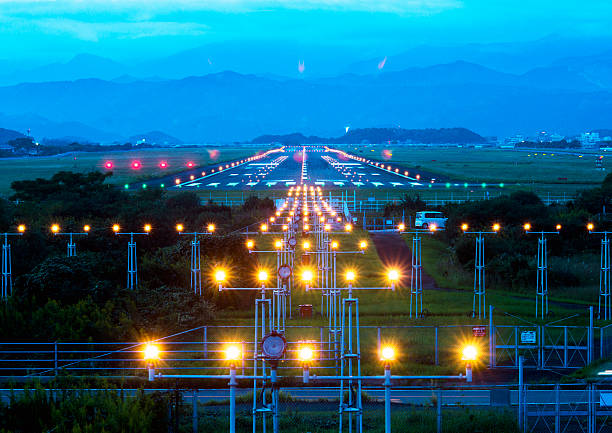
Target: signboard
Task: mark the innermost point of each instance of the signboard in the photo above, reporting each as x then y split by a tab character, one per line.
284	272
479	331
605	399
528	337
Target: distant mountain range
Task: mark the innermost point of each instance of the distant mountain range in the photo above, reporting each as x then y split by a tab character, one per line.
7	135
555	84
228	106
380	136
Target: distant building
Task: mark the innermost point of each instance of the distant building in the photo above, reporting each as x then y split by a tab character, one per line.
513	141
589	139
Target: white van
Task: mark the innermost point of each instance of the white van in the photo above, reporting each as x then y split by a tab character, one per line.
426	219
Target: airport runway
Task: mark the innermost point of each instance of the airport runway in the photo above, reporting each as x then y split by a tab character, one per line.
286	167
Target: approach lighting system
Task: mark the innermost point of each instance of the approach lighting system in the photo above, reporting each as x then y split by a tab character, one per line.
180	227
86	228
210	228
151	352
116	228
233	352
558	227
393	275
350	276
469	353
306	354
273	346
262	276
55	228
387	353
147	228
220	275
264	227
306	245
496	227
527	227
464	227
363	245
163	164
590	227
348	227
108	165
136	165
21	228
401	227
307	276
250	244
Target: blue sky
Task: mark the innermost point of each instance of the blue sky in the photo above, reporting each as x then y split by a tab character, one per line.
57	30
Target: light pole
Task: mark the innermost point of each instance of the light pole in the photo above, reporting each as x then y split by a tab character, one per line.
416	272
195	273
604	273
479	269
542	276
132	270
7	268
71	247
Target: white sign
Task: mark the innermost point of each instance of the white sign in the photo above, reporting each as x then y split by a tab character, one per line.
528	337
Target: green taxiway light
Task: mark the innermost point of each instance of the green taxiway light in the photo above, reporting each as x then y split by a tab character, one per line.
465	185
126	186
429	185
447	185
484	185
162	185
144	186
501	185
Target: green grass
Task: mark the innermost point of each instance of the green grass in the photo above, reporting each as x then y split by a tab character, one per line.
304	417
493	165
12	169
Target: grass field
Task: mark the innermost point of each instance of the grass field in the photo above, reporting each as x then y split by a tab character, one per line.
494	165
12	169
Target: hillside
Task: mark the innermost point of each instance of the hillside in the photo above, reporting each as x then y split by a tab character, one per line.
7	135
379	136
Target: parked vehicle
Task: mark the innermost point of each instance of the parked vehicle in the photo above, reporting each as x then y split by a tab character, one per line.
426	219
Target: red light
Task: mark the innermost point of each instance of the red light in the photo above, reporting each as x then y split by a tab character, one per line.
190	164
136	165
108	165
163	164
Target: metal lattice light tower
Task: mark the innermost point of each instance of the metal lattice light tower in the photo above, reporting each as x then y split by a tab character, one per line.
7	269
132	268
604	274
542	275
71	246
479	271
416	270
195	272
